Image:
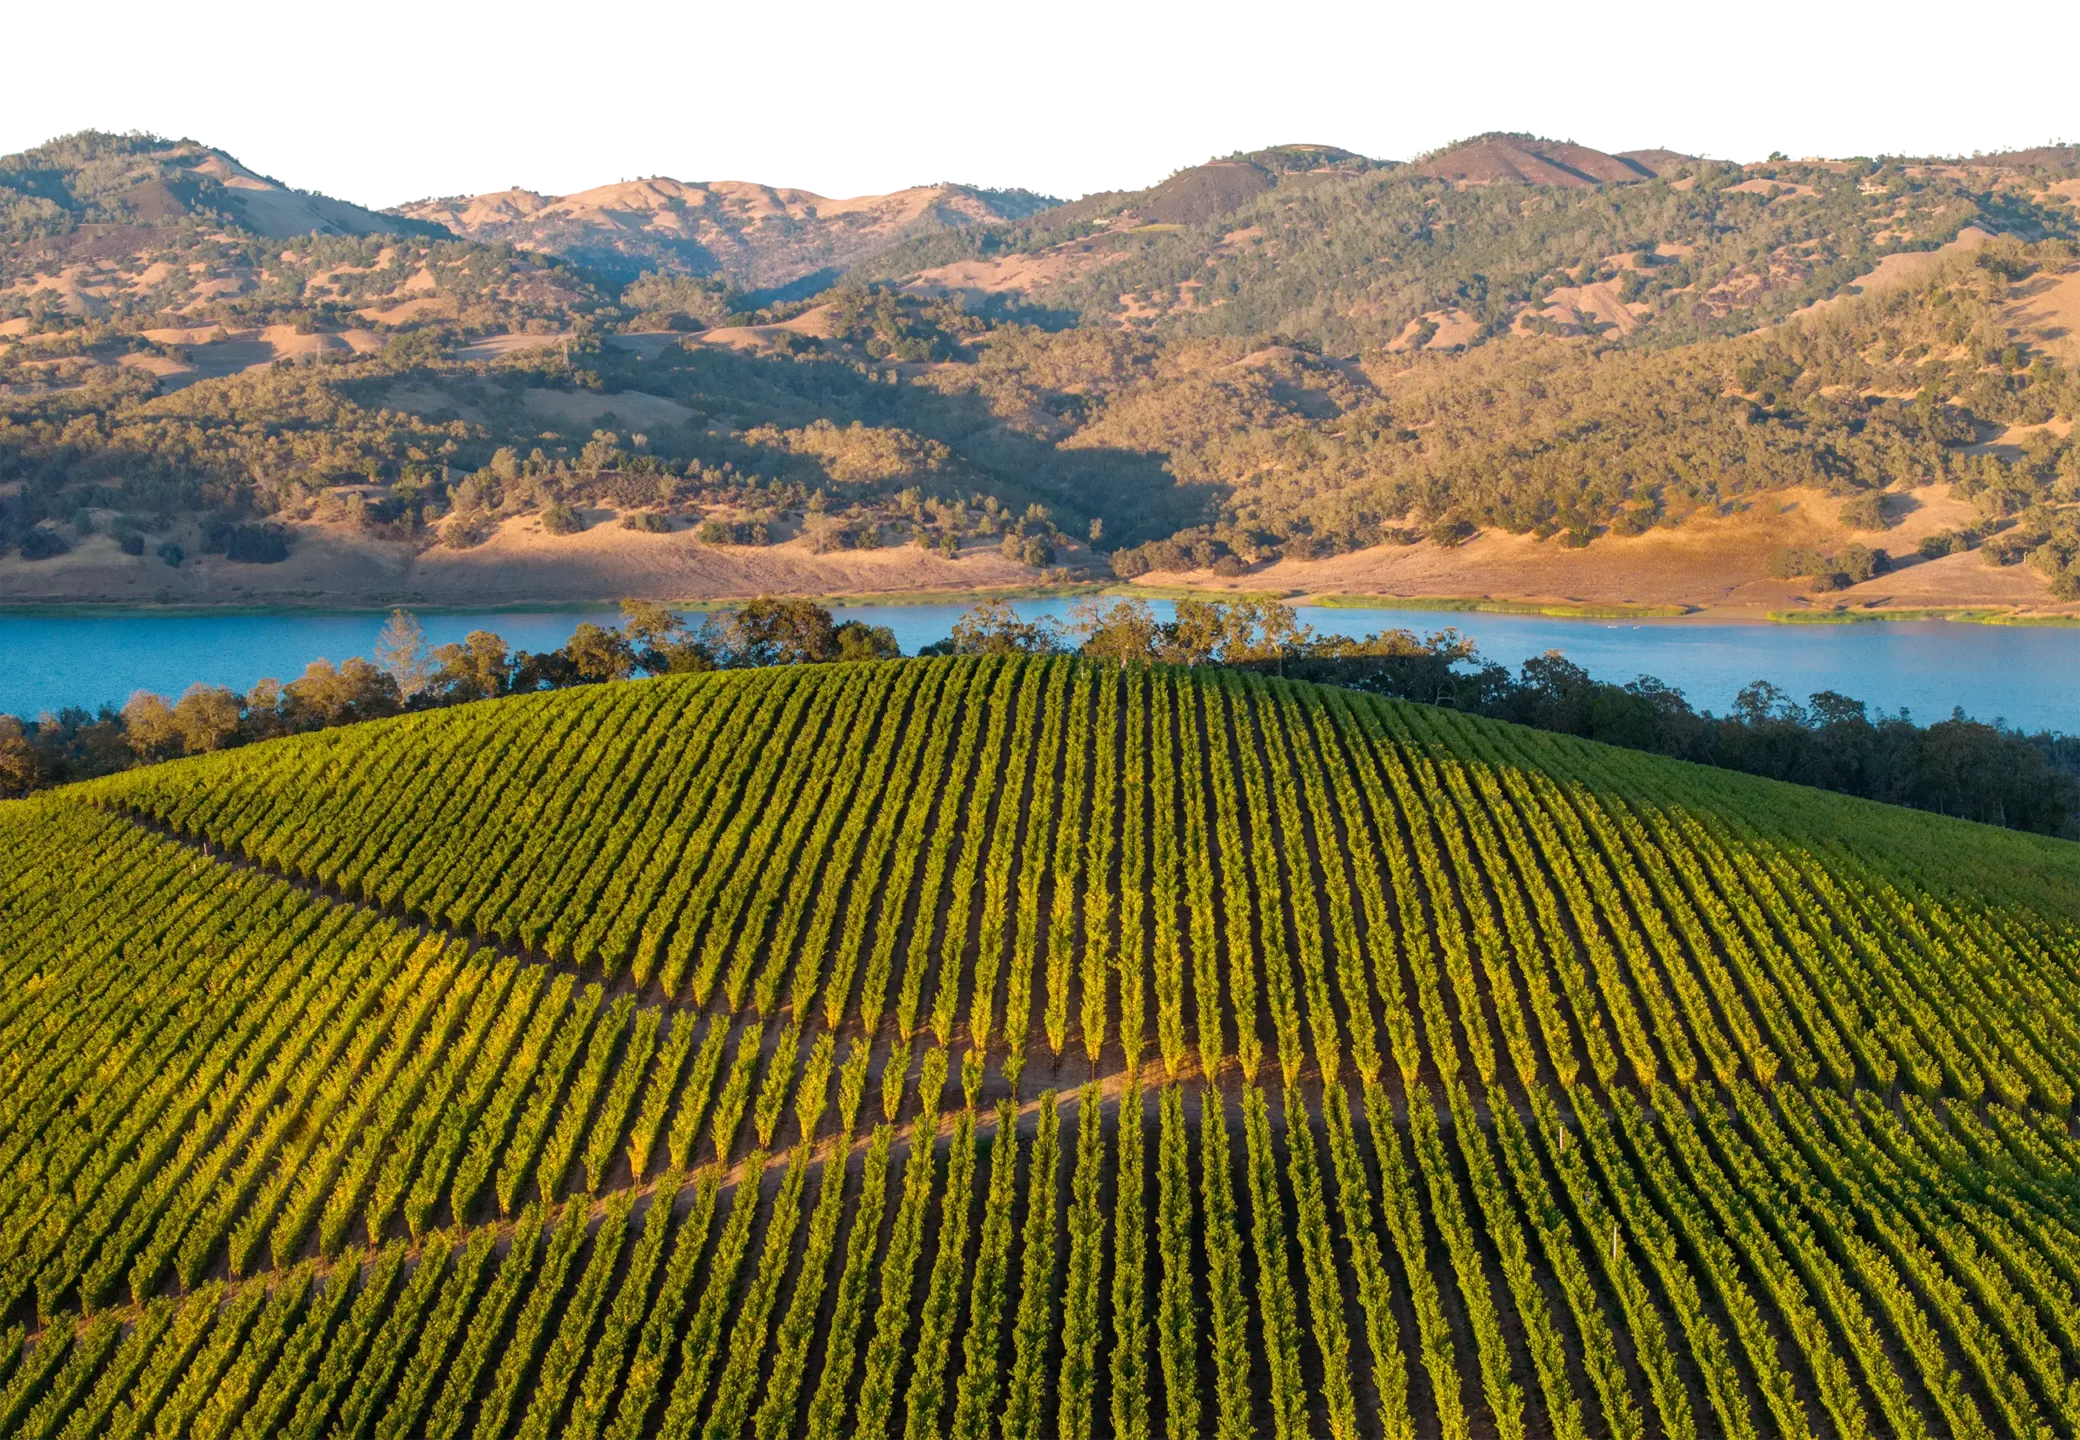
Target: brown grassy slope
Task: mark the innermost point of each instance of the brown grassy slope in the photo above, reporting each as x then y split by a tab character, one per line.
519	564
1709	562
756	236
1531	161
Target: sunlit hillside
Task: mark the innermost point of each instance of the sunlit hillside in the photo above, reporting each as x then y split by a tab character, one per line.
1022	1047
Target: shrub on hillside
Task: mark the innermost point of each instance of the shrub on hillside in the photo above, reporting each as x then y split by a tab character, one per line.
1452	531
1866	512
1851	565
43	544
562	519
248	544
1860	563
1155	555
826	535
1636	521
257	545
1028	550
464	529
733	532
2003	550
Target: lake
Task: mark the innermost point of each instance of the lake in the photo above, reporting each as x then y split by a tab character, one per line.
2028	677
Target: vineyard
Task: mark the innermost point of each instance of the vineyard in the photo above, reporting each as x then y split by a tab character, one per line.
1011	1047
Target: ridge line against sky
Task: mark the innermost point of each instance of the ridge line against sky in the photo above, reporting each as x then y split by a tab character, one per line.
1773	150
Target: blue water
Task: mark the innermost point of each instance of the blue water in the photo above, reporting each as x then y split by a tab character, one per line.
2026	677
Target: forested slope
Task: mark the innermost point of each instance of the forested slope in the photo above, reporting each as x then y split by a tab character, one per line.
1326	1065
1286	355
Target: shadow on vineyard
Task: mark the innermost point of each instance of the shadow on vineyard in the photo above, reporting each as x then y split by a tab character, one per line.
1018	1046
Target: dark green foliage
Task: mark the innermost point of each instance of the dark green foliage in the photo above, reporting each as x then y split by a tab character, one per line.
732	532
256	545
888	327
1851	565
1866	512
1451	531
678	302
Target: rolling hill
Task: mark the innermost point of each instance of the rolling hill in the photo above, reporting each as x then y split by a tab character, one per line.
1620	378
1476	241
1530	160
585	1064
754	237
100	190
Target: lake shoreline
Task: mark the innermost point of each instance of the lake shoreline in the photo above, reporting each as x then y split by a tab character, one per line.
2002	667
72	607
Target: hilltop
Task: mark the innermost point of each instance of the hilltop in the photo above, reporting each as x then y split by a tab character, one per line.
1481	240
752	237
1001	1046
96	192
1530	160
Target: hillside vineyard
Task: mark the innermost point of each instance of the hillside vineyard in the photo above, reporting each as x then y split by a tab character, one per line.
1008	1048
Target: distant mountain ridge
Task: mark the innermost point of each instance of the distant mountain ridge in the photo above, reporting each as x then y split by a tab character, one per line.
786	242
756	237
100	194
146	182
1283	355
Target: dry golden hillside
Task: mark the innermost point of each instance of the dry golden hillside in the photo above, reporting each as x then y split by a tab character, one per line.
756	237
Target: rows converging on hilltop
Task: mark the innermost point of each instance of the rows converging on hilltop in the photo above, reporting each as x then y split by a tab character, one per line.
1250	1057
